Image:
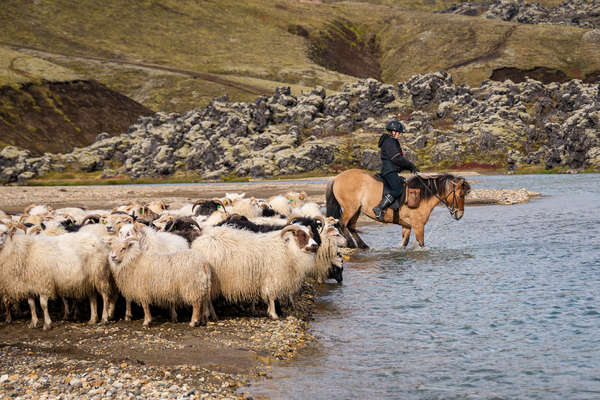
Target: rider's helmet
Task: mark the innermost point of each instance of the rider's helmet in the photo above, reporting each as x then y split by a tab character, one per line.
394	125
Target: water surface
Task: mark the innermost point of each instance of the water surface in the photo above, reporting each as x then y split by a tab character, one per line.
503	304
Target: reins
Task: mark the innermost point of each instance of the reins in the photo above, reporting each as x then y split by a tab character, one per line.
452	209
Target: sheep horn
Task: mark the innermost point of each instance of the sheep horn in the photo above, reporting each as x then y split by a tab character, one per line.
291	218
289	228
21	226
26	212
196	204
91	217
193	221
322	220
34	230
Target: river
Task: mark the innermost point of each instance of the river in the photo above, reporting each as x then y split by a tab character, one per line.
503	304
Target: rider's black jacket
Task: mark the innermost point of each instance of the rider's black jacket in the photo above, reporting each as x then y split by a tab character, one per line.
392	159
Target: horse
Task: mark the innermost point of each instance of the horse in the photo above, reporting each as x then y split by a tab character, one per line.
355	191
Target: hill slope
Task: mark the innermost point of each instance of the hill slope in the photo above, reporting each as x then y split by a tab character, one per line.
265	44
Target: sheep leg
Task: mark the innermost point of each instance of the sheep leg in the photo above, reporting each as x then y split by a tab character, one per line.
127	310
67	310
76	311
112	304
271	310
196	307
173	311
211	310
47	320
106	303
7	306
34	317
147	315
93	309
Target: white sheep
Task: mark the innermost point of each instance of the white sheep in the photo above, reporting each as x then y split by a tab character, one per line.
247	207
171	279
38	209
328	254
70	265
249	266
281	205
309	209
179	209
77	214
153	242
296	199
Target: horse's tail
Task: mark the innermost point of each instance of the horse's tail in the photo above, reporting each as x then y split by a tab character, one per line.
333	207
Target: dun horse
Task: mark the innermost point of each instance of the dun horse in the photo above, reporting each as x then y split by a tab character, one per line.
355	191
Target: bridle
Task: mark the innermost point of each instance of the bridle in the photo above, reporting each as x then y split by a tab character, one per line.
451	206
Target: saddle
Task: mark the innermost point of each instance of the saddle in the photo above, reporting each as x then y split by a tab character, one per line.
412	196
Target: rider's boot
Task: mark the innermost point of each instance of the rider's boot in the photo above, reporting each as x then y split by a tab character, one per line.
379	209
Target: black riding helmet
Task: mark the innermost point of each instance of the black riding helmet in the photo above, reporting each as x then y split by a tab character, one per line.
394	125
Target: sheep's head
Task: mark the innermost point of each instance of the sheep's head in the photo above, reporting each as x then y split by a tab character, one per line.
114	220
302	237
8	231
119	249
38	209
157	206
34	219
162	222
206	207
126	231
315	225
296	199
233	197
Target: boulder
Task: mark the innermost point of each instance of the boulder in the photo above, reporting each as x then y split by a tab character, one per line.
370	159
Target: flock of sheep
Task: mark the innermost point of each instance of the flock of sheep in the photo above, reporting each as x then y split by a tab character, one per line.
243	250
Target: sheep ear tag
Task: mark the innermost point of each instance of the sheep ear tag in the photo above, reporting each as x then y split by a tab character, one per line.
141	210
291	200
301	197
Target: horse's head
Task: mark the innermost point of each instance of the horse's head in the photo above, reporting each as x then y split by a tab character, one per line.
456	191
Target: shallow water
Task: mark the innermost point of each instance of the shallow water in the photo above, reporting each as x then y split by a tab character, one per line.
502	304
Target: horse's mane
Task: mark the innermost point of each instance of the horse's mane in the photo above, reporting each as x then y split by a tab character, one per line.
433	185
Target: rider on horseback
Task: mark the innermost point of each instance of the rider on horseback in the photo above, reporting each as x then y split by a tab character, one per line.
393	161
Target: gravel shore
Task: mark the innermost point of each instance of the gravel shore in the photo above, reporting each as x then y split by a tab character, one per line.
168	360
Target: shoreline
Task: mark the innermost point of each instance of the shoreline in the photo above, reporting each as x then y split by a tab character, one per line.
14	199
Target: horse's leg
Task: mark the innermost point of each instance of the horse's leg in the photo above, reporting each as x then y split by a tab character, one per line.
348	236
345	221
352	227
420	234
405	236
